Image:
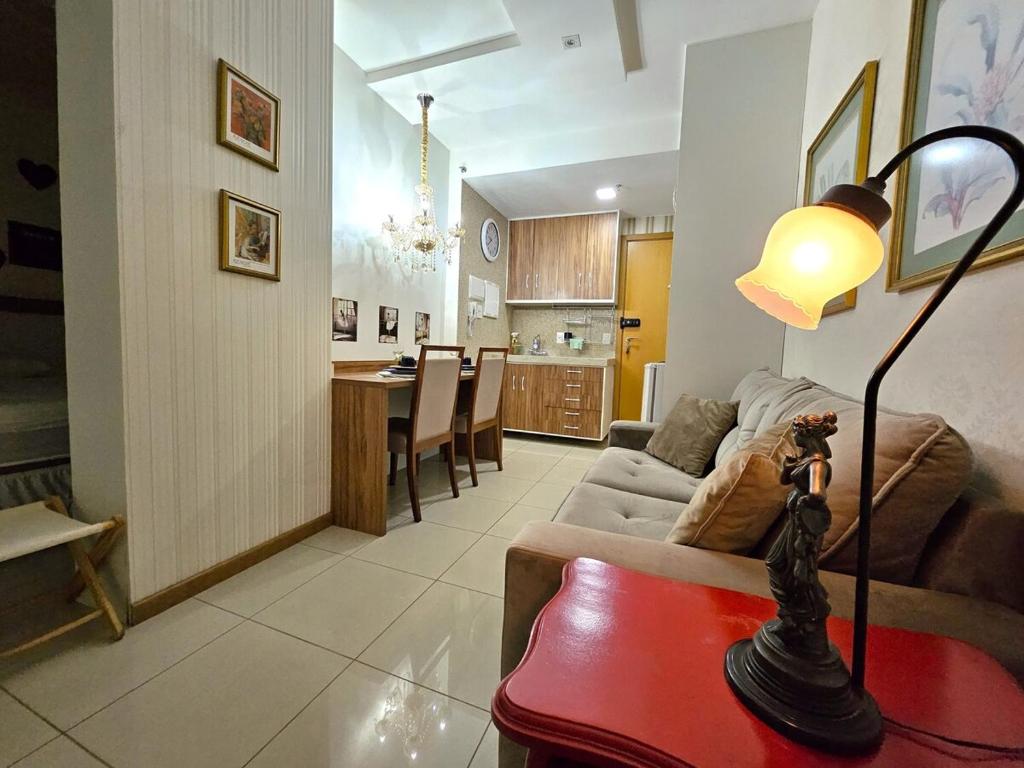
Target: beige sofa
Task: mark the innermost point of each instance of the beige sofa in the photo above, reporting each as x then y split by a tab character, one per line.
946	559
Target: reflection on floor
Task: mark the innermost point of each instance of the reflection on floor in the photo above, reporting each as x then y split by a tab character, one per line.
344	650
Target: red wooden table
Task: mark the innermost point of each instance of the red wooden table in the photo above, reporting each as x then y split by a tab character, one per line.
626	669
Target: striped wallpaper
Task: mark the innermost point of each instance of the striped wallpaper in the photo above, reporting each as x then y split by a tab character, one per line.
225	376
647	225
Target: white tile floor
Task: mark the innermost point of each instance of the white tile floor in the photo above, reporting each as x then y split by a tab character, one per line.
344	650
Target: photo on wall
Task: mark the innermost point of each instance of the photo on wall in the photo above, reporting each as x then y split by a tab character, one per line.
247	116
345	323
388	328
965	66
422	328
250	237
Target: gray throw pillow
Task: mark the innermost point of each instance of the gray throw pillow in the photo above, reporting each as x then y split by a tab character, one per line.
689	435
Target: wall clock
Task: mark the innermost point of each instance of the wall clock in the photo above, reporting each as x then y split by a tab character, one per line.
490	239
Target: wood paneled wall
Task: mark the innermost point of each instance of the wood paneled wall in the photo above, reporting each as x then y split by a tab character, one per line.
226	377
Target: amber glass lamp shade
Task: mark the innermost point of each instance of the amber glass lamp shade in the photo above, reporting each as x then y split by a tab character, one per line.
812	255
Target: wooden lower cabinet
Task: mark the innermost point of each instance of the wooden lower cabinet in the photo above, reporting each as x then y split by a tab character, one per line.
557	400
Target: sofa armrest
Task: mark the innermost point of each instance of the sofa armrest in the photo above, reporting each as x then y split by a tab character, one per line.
533	573
630	434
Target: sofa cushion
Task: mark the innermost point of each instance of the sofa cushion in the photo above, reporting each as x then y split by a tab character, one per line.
639	472
737	503
691	432
921	467
615	511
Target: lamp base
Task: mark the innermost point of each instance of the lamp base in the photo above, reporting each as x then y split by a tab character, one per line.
808	699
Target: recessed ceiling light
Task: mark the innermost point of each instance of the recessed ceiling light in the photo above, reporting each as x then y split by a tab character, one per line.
606	193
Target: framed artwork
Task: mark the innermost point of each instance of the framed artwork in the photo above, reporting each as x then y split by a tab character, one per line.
490	239
345	320
965	65
422	328
387	331
34	246
248	116
250	237
839	153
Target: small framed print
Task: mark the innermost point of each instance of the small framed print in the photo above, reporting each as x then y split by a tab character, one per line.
387	332
248	116
422	328
345	324
250	237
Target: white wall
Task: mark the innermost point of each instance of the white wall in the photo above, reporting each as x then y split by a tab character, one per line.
219	380
738	159
966	364
376	166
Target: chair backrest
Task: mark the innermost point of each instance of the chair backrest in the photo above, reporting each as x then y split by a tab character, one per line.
436	391
487	383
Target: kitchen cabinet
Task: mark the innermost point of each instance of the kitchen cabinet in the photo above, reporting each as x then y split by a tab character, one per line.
563	259
569	400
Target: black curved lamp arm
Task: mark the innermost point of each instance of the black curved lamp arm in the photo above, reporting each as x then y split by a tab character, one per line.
1015	149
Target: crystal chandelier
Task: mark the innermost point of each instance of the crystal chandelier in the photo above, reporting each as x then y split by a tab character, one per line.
418	244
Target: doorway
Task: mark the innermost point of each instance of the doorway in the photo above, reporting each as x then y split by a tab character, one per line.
645	280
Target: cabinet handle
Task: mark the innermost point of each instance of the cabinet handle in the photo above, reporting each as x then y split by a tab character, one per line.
522	383
575	386
513	383
566	426
572	413
571	370
536	280
526	282
572	399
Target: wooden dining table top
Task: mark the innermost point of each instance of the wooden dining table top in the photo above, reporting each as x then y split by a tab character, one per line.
368	379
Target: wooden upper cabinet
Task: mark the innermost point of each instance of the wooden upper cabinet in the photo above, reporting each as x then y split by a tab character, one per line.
563	258
520	260
599	281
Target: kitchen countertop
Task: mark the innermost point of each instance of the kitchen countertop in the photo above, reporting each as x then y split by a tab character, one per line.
594	362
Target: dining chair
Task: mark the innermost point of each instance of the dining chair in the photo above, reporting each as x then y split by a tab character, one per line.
431	418
484	411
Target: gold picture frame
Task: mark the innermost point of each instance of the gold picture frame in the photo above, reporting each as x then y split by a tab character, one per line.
924	27
250	237
862	89
248	116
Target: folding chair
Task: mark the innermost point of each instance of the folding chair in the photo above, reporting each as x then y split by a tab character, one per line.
46	524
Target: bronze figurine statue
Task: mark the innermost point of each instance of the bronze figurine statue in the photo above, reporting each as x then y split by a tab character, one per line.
789	674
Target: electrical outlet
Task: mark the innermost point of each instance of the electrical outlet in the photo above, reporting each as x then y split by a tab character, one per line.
606	339
559	337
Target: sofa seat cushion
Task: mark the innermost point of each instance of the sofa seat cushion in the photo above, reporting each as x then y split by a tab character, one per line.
639	472
615	511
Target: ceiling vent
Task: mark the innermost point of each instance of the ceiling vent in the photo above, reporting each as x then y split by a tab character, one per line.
571	41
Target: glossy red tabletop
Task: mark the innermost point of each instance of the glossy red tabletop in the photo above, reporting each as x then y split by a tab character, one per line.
624	668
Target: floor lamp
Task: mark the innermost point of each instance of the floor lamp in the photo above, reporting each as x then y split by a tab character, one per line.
812	255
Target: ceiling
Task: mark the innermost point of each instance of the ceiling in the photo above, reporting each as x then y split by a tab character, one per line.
647	183
509	98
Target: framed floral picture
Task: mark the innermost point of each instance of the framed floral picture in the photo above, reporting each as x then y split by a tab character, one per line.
965	65
250	237
839	153
248	116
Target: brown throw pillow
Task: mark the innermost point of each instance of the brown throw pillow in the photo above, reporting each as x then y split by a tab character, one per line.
736	504
689	435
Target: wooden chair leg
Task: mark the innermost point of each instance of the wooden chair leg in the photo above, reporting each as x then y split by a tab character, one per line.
499	440
449	450
414	494
84	564
393	470
471	452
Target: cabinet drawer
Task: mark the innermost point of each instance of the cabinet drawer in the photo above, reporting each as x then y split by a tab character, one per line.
573	395
573	423
574	373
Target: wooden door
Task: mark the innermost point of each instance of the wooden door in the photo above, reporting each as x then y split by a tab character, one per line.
520	260
646	275
599	270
